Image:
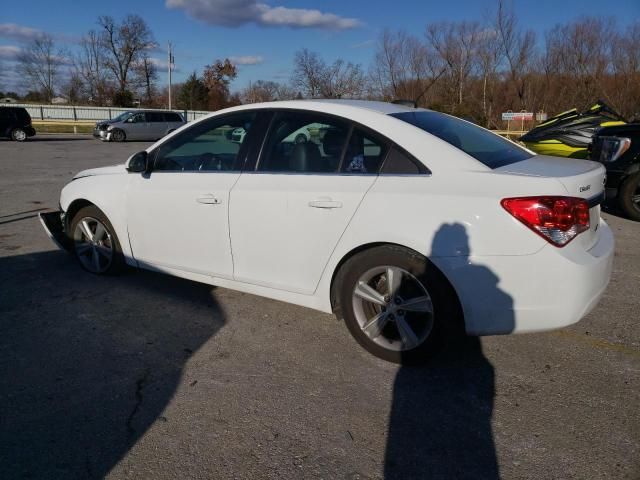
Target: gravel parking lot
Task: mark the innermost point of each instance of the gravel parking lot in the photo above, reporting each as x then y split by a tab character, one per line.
148	376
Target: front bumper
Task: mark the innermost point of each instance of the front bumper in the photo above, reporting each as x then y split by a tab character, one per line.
101	134
53	224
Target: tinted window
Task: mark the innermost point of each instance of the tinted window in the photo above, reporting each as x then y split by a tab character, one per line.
136	118
399	163
364	153
304	142
492	150
22	115
208	146
155	117
172	117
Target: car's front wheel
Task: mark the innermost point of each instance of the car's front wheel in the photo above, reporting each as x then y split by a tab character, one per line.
118	135
18	134
95	243
629	196
396	304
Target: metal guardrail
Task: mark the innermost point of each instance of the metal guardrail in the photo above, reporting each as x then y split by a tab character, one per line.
93	114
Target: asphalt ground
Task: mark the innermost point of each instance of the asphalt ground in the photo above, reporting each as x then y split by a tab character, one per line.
148	376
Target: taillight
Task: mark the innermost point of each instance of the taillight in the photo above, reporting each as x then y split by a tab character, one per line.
556	219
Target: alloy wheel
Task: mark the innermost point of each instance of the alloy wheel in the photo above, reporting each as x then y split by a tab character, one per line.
19	135
93	245
393	308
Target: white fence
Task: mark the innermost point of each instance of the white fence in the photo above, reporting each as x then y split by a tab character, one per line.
67	112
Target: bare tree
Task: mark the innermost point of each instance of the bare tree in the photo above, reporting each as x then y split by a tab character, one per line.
309	73
342	80
489	56
456	44
147	75
90	64
403	68
625	59
40	61
517	48
125	44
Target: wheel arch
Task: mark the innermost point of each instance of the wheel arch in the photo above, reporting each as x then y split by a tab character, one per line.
335	280
74	207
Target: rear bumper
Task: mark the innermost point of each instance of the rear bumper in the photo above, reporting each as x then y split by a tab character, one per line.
53	225
550	289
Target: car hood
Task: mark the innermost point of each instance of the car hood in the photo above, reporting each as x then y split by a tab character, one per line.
111	170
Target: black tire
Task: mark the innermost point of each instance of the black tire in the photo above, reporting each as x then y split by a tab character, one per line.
630	189
117	263
118	135
18	135
447	323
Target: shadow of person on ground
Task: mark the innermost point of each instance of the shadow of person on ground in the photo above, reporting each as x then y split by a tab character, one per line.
440	420
89	363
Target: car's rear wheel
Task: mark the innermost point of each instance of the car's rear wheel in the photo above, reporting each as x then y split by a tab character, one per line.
118	135
396	304
18	134
95	243
629	196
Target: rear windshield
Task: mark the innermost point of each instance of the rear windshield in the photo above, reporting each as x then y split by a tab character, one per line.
489	149
22	115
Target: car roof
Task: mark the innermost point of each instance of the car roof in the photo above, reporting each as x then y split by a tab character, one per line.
330	105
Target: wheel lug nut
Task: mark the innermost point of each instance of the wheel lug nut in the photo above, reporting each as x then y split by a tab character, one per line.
387	299
397	300
400	312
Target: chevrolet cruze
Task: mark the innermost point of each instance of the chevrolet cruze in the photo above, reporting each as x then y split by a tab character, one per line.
411	225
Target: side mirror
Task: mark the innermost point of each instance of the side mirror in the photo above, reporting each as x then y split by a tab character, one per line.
138	162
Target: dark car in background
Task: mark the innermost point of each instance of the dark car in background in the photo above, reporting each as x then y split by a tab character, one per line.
138	125
15	123
618	149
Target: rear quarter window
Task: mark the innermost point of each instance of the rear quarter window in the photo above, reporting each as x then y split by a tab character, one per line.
486	147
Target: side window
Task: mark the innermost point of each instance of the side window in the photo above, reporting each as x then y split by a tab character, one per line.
208	146
155	117
399	163
172	117
136	118
364	153
304	142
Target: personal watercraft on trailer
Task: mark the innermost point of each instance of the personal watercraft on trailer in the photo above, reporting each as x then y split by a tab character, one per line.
569	133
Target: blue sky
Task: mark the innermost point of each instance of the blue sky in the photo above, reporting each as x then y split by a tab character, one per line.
268	32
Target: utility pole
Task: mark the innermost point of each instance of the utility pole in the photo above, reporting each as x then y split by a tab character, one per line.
170	67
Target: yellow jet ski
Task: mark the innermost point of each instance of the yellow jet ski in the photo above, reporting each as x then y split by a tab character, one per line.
569	133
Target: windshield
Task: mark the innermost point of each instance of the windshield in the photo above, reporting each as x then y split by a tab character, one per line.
122	117
486	147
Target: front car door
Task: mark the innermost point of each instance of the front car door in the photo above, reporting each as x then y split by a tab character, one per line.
287	215
178	214
135	127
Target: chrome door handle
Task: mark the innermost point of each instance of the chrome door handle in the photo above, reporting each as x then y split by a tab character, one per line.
325	204
208	199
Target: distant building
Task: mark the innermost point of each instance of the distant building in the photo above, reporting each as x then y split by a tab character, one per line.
8	100
59	100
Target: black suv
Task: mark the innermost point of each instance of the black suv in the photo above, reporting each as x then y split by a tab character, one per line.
15	123
618	149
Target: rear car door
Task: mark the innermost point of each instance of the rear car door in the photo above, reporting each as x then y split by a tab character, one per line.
156	125
173	120
287	215
178	214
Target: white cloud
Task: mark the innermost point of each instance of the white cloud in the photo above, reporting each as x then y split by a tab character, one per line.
18	32
9	52
246	60
233	13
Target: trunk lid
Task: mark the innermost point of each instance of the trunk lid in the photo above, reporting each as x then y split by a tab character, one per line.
580	178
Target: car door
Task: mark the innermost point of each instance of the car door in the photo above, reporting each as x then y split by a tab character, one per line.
287	216
156	125
135	127
178	214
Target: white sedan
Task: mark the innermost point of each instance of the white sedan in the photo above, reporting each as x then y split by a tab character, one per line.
410	224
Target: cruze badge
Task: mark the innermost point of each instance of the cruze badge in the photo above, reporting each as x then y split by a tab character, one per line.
584	189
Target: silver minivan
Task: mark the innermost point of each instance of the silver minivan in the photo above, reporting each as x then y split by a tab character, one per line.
138	125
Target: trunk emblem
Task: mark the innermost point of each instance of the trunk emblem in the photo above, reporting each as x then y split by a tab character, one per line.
585	188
